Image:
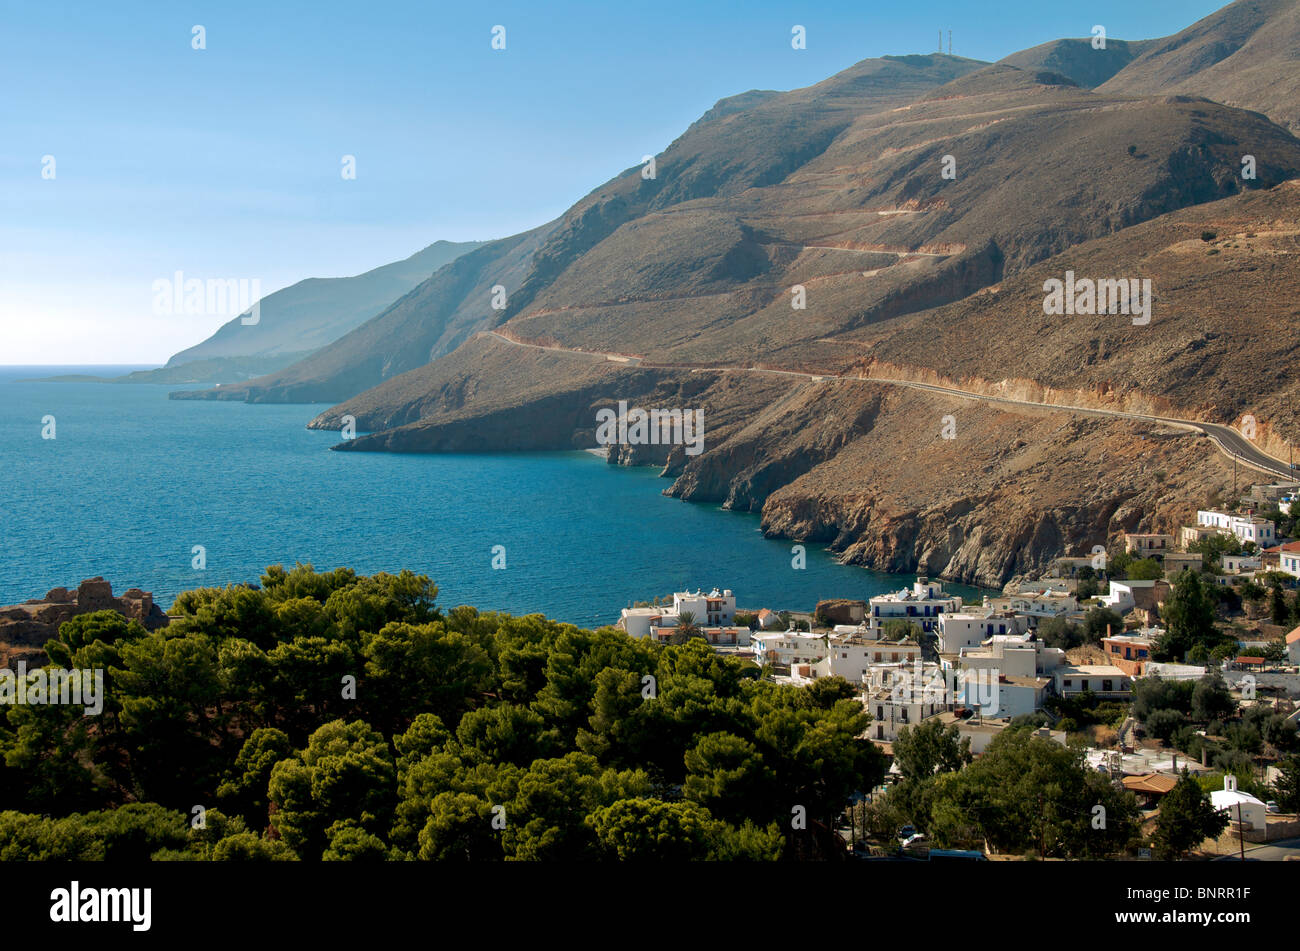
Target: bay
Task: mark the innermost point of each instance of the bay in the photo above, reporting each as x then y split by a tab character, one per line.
133	481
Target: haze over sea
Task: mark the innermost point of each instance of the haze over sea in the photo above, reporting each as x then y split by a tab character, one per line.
133	481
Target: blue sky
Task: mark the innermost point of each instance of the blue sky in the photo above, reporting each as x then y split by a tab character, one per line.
225	162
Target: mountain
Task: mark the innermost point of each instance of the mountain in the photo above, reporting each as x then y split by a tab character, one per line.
431	320
753	140
1246	55
867	226
1078	59
914	206
301	318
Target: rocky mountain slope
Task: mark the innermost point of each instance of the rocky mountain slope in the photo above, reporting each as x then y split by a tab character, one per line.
1244	55
915	206
1079	59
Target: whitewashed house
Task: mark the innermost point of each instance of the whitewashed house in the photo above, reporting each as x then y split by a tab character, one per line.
1105	680
717	609
785	648
1248	528
922	604
970	629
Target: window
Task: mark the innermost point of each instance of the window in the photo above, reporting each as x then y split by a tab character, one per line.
1068	682
1106	686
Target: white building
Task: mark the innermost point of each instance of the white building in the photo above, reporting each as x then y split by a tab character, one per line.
853	656
1241	564
1239	806
1021	665
970	629
717	636
638	621
1013	655
922	604
1035	604
1125	596
1105	680
715	609
785	648
900	695
1248	528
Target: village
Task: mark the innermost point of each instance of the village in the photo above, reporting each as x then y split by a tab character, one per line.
1082	654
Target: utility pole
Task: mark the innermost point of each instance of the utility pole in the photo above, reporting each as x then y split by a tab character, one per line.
1241	836
941	42
950	42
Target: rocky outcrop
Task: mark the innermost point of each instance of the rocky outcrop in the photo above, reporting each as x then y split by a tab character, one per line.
841	611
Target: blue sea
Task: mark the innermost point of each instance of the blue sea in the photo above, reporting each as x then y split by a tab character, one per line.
133	481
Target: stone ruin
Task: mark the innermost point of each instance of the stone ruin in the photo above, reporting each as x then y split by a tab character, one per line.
24	628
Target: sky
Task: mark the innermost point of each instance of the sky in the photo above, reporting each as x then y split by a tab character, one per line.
127	155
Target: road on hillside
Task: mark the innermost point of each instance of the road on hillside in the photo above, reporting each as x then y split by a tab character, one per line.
1225	438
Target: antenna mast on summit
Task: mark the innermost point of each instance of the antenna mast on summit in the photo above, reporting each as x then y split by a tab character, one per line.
949	41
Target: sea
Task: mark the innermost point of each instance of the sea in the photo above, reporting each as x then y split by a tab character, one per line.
134	487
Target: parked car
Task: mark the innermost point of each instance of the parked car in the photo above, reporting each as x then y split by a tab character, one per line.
906	831
911	840
1271	807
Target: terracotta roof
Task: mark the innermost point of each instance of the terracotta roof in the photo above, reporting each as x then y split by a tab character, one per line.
1250	660
1157	783
1293	636
1289	546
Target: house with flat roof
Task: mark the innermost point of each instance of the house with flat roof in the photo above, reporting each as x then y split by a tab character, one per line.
1129	652
1239	564
1145	545
902	695
1248	528
715	609
715	635
785	648
1105	680
1132	594
1176	562
921	604
852	656
970	629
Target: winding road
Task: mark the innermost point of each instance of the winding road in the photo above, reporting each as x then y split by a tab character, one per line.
1226	439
